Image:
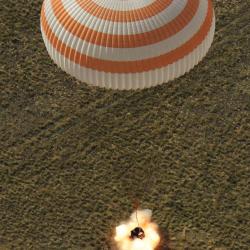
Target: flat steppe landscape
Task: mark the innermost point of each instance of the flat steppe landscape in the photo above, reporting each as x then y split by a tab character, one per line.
73	158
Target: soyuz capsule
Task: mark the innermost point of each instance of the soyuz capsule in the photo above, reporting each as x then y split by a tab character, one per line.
137	233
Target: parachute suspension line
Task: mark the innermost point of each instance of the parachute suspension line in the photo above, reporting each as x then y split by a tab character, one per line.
137	218
136	205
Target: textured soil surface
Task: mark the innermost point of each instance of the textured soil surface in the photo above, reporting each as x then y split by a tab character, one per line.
73	157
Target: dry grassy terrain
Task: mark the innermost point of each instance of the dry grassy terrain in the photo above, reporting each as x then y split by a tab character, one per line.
73	157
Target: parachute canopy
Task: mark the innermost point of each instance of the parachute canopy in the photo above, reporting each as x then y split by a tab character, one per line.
127	44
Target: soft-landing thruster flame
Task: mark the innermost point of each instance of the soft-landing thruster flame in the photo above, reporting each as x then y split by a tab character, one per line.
149	242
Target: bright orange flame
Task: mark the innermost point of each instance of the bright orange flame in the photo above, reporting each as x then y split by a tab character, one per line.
151	239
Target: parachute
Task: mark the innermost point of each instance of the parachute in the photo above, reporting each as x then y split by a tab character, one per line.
132	44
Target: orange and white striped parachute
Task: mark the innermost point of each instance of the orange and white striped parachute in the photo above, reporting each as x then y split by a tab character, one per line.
127	44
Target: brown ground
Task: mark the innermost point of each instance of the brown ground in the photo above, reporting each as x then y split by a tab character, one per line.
74	157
